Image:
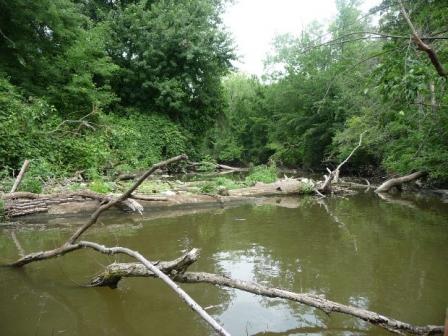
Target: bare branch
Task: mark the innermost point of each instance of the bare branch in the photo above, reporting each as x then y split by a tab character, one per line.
151	267
7	38
326	186
120	270
422	45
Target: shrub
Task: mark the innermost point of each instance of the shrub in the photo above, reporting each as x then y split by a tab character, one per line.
99	186
31	184
262	173
213	186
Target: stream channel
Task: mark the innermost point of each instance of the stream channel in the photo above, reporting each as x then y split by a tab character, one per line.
386	256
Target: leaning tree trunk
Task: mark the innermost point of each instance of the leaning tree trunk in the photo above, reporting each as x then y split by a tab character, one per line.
397	181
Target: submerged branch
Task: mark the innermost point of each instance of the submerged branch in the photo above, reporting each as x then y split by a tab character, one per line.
117	271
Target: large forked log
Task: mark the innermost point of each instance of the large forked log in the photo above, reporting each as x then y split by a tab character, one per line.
115	272
161	275
325	188
397	181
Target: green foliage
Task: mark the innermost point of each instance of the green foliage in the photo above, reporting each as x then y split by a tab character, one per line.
241	134
406	130
100	186
88	86
318	96
171	57
150	187
307	187
263	173
31	184
206	165
219	183
138	140
97	86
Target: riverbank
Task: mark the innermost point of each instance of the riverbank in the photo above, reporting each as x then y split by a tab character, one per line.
150	197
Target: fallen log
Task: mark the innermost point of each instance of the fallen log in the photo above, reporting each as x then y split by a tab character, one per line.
115	272
218	166
161	275
26	203
398	181
287	186
233	169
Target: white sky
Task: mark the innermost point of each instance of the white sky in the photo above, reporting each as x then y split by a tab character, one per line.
254	24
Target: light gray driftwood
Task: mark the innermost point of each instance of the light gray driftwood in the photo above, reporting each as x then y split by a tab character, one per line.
115	272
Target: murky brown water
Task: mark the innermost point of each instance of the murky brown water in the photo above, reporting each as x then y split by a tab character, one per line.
386	257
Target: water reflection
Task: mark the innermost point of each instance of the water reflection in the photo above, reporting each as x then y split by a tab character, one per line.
375	254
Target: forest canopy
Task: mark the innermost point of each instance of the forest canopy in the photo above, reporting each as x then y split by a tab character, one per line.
325	87
101	86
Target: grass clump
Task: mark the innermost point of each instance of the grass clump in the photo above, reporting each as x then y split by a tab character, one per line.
213	186
263	173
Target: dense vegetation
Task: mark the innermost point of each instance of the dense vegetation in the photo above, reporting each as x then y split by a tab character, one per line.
99	85
103	86
325	87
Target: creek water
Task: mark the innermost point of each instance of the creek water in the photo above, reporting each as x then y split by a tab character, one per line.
386	256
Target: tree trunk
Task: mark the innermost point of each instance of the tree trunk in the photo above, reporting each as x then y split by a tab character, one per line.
398	181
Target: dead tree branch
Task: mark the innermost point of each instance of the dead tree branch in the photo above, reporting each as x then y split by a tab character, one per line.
422	45
397	181
366	35
117	271
157	272
20	176
334	175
